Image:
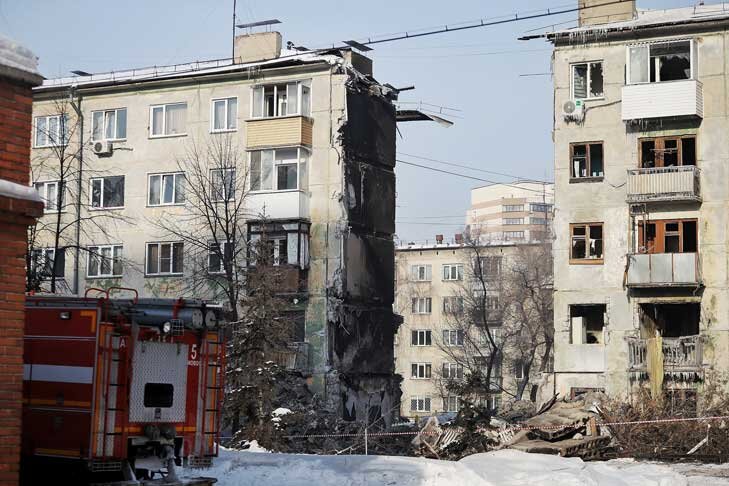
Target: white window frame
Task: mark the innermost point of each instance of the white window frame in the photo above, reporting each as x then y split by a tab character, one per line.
421	336
693	59
513	221
302	160
159	258
211	254
516	235
161	175
452	371
301	109
43	192
451	403
448	272
418	400
450	337
226	123
104	122
94	251
164	120
589	64
101	205
422	371
519	371
513	208
422	305
61	133
214	191
453	305
421	273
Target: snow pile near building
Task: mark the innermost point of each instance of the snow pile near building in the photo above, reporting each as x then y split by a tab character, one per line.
500	468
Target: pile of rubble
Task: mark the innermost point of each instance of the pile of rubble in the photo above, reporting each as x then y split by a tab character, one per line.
562	427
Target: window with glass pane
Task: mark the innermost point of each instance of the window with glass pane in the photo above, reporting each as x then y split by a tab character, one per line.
49	192
421	371
225	114
51	130
280	169
218	255
661	61
167	120
587	80
453	272
166	189
105	261
223	184
109	124
164	258
587	160
284	99
107	192
421	337
45	263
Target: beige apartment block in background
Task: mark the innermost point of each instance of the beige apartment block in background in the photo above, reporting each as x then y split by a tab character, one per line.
519	211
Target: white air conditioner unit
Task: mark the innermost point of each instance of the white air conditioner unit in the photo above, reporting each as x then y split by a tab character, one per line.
103	148
573	110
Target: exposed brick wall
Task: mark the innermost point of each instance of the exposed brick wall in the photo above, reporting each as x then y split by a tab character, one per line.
16	111
15	216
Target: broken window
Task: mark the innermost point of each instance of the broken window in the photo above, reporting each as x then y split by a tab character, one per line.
453	337
668	236
107	192
280	243
667	151
587	323
453	272
421	371
421	337
45	264
421	273
587	160
219	255
420	404
661	61
422	305
670	321
286	99
586	242
587	80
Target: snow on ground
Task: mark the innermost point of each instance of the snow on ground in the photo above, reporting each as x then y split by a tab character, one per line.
500	468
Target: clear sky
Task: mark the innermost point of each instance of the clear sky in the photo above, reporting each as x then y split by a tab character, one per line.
505	119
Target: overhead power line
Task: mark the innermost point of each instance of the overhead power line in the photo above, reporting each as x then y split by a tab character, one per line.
470	167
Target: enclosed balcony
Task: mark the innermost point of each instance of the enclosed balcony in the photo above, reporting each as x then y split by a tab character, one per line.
663	270
292	204
662	100
679	183
279	132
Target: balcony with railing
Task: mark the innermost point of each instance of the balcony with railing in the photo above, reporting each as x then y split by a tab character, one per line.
663	270
681	354
679	183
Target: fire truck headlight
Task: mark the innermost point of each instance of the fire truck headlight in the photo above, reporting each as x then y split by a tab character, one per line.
166	327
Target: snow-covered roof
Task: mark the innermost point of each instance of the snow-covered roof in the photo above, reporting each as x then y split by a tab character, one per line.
197	68
18	61
652	18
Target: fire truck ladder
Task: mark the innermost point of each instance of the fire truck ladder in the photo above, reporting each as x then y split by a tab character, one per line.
212	393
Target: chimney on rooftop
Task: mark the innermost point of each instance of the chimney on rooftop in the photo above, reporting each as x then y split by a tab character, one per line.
439	239
596	12
459	238
259	46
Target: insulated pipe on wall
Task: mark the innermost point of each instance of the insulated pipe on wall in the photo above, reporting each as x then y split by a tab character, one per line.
77	259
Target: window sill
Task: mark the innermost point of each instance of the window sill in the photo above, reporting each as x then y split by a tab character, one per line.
586	261
114	208
587	100
227	130
158	275
581	180
50	146
113	140
165	205
276	117
174	135
99	277
273	191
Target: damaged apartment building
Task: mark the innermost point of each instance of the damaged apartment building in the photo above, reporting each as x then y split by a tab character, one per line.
641	199
316	136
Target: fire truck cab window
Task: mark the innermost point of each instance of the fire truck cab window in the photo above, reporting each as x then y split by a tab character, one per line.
158	395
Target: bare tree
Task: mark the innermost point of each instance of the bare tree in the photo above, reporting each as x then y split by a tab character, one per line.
59	174
500	318
212	226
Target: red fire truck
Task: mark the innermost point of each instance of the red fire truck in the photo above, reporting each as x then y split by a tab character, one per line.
123	387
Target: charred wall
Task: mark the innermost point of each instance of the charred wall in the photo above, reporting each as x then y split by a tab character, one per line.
362	324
